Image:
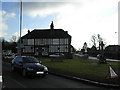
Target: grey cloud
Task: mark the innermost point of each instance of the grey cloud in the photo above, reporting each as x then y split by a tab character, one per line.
35	6
28	6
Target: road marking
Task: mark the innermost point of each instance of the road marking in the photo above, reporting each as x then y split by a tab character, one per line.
0	78
17	82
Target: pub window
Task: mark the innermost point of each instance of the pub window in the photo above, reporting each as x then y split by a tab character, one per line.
62	41
46	42
30	41
25	42
55	41
36	41
66	41
41	41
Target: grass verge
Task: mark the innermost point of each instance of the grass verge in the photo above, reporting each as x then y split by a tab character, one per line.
83	68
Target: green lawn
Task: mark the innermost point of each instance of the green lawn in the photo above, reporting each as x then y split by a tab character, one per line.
89	69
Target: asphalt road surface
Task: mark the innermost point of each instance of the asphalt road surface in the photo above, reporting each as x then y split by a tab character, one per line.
15	80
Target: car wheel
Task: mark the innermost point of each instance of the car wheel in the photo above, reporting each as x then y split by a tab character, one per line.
24	73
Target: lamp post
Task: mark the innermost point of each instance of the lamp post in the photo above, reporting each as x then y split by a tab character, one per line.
115	36
20	26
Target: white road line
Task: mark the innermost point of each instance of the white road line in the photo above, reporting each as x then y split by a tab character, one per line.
17	82
0	78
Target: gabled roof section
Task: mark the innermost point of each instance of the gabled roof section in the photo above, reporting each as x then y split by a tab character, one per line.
47	33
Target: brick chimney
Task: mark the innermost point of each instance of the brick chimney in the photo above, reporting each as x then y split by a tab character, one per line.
28	31
52	25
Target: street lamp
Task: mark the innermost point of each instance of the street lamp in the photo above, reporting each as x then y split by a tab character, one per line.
115	36
20	25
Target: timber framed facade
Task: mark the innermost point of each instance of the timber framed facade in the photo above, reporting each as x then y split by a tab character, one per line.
43	42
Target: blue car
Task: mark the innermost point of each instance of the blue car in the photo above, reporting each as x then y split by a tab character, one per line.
28	65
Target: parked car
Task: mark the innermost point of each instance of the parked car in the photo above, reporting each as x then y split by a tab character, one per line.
57	55
28	65
84	55
9	56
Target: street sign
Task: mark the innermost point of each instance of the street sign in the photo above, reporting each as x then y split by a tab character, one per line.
112	73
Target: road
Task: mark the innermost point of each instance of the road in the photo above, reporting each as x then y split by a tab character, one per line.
95	58
15	80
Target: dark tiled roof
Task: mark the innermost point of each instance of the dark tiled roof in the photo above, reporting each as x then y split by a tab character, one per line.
47	33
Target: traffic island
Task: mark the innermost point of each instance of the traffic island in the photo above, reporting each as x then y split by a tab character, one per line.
88	70
56	59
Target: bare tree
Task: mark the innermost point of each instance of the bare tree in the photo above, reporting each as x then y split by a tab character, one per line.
94	40
97	39
100	39
13	38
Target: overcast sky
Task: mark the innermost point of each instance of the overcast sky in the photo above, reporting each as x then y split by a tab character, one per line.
82	18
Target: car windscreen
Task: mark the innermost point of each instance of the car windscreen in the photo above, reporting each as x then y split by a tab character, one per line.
30	60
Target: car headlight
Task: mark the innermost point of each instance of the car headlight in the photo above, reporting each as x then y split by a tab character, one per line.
30	69
45	68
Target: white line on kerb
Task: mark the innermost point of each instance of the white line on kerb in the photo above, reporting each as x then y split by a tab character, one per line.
0	78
